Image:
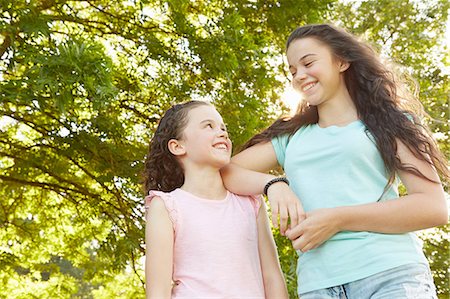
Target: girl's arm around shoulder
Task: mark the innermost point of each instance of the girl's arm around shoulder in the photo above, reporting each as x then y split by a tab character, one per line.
274	284
247	172
159	251
423	207
246	175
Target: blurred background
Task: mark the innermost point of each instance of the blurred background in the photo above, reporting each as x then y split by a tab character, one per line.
84	83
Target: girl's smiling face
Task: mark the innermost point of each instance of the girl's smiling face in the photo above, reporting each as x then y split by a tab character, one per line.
316	72
205	139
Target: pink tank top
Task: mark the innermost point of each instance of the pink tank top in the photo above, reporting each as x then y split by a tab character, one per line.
215	245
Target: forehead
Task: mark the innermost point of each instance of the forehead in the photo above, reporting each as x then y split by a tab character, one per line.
204	112
305	46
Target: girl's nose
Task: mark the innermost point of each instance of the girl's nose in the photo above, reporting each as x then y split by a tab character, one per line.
223	133
299	76
298	79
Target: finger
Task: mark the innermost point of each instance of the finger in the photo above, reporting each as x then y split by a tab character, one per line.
275	215
294	232
298	244
283	220
306	248
300	212
314	246
303	246
293	214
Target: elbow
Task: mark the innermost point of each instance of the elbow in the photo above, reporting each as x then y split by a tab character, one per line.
442	217
440	210
274	280
276	290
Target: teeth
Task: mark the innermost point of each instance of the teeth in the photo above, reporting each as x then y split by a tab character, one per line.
308	86
221	146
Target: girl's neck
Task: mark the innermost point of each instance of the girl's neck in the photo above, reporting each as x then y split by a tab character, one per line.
339	112
339	119
204	183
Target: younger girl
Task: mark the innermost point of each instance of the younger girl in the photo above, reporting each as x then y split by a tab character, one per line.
342	152
203	241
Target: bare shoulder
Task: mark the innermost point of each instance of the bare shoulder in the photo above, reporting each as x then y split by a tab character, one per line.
156	209
156	202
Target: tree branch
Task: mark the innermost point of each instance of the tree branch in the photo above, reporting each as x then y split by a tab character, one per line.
5	45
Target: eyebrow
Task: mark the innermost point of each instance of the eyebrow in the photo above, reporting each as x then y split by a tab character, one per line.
304	57
213	121
210	120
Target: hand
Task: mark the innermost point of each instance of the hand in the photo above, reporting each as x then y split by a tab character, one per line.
319	226
285	204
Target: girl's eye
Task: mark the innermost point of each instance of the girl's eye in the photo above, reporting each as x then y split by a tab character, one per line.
309	63
209	125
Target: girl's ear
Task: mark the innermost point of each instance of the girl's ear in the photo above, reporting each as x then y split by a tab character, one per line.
343	65
176	147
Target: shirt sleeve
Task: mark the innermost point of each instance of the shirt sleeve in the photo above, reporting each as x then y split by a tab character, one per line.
168	201
256	201
279	144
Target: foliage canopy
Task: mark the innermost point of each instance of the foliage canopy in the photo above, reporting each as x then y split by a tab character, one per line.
84	82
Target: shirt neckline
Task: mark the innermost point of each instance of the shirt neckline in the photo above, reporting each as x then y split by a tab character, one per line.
338	128
203	198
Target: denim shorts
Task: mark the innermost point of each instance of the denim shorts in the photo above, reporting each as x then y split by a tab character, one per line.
404	282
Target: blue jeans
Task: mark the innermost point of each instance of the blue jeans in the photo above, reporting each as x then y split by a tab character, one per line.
404	282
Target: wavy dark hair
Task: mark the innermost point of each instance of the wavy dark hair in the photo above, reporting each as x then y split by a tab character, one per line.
162	170
381	99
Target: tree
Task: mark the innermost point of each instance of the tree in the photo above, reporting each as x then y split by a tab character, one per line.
82	86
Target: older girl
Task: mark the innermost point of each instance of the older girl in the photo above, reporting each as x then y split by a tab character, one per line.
354	134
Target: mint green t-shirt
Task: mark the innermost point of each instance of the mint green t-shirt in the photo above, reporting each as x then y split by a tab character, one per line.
341	166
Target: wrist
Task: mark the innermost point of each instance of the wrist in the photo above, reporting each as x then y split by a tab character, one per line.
273	181
342	218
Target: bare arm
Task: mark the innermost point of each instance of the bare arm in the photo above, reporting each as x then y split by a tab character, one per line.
424	207
246	175
159	251
274	285
247	172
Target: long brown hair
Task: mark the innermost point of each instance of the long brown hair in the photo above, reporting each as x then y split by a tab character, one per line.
388	112
162	171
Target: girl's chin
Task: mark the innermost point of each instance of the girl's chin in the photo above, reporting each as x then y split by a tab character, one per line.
313	103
